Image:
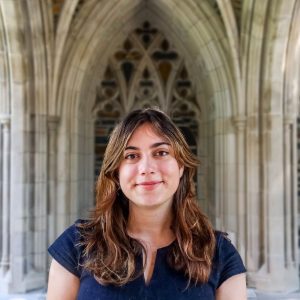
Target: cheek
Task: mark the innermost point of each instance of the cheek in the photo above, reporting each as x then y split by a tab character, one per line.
171	169
126	174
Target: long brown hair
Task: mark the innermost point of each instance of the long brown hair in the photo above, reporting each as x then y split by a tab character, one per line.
108	249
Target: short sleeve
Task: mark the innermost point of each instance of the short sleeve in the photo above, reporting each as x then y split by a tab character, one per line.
66	251
230	262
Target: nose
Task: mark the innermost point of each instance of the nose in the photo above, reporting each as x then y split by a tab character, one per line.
147	165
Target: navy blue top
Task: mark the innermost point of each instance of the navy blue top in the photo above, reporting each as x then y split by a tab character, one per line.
165	283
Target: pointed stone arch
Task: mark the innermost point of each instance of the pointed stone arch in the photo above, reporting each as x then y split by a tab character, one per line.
156	75
211	66
145	70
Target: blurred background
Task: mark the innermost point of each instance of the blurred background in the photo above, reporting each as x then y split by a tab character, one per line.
226	71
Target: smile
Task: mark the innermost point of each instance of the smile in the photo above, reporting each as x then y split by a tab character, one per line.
149	185
149	182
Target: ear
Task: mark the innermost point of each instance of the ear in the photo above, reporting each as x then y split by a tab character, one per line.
181	169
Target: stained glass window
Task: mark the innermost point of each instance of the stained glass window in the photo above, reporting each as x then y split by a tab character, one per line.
145	70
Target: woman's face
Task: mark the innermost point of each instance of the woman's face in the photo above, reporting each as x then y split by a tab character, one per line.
149	173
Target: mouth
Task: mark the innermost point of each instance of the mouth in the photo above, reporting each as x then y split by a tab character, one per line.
149	185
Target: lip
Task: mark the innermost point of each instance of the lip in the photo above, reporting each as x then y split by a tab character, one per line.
149	183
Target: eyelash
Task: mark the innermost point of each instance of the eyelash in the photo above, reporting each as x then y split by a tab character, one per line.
127	156
160	153
165	153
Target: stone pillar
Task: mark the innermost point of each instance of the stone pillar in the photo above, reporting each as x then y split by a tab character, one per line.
240	124
28	204
4	264
52	178
38	219
279	270
290	192
218	182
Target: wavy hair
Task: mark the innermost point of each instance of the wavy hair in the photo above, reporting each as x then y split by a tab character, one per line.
109	252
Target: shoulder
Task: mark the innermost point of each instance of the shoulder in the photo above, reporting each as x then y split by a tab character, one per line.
227	260
221	237
67	249
223	241
72	233
224	247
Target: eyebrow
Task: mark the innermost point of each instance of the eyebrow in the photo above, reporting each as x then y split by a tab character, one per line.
155	145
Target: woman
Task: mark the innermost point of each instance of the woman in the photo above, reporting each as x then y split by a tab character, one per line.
147	238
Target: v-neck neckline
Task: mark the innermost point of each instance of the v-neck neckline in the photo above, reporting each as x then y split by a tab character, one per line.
165	247
159	252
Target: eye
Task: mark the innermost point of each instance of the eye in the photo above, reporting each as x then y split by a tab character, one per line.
161	153
131	156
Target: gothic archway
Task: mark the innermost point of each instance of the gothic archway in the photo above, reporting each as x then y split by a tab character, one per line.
145	70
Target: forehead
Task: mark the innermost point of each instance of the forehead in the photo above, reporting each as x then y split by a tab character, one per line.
145	132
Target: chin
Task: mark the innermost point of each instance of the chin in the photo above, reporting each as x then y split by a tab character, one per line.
151	204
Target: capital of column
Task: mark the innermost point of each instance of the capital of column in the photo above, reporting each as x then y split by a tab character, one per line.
5	120
53	122
289	119
240	122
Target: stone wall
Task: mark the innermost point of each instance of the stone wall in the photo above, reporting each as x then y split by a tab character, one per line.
243	61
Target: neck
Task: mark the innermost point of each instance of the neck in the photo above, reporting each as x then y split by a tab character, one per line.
151	226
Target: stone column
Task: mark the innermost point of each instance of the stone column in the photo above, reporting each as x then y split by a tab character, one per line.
290	191
240	124
4	263
52	178
39	184
278	272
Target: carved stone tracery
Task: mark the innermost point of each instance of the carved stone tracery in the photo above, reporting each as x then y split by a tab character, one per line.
145	70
